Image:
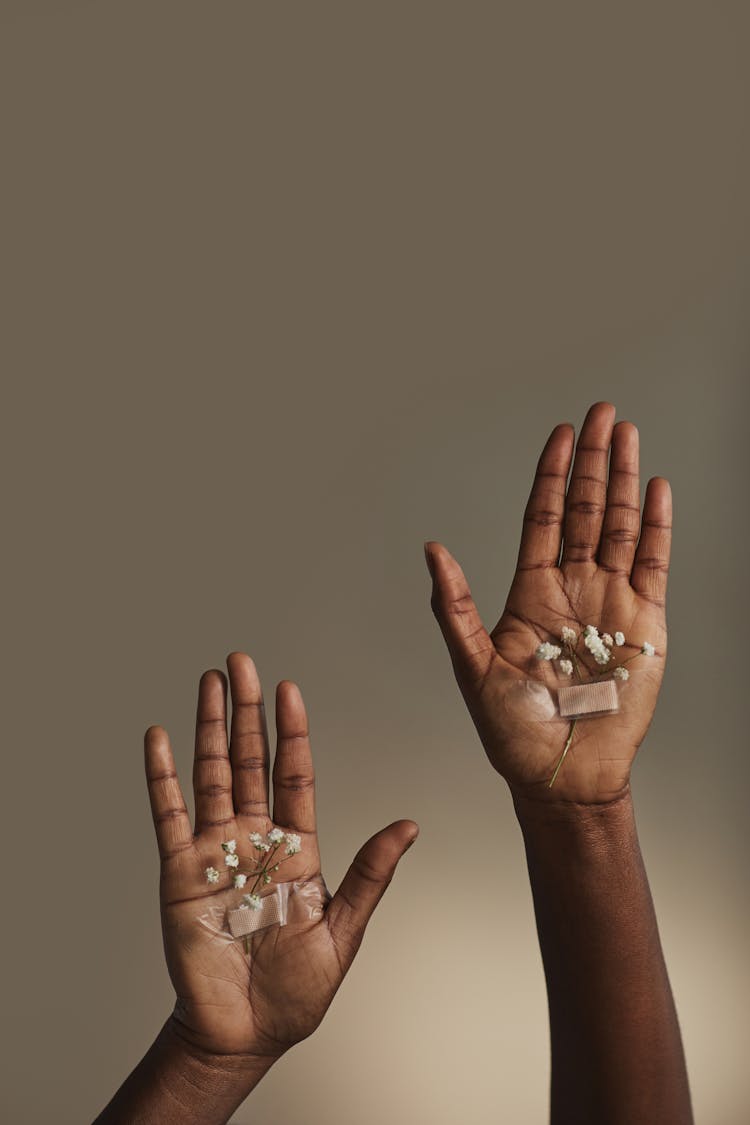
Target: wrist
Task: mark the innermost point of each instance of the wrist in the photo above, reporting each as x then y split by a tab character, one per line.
179	1083
208	1068
588	823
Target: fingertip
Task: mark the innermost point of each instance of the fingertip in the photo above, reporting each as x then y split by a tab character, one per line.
402	833
659	490
604	406
155	741
287	688
291	715
212	677
439	558
157	751
658	500
626	427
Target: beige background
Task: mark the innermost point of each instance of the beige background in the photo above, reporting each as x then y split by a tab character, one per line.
289	288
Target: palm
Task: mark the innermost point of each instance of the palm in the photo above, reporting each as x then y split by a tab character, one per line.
503	683
263	997
231	999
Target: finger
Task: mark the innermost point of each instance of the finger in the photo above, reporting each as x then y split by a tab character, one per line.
649	577
469	643
248	746
587	490
171	820
365	883
623	515
212	773
293	776
543	519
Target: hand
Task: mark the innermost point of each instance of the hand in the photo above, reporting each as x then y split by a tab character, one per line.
612	574
230	1002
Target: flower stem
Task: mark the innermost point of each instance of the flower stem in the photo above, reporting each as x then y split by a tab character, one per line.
565	751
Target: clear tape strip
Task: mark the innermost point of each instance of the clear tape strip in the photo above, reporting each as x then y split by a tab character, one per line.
272	911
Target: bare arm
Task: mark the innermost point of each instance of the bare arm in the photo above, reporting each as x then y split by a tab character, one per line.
616	1048
175	1083
588	557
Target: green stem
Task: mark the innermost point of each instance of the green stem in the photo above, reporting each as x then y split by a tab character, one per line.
260	874
565	751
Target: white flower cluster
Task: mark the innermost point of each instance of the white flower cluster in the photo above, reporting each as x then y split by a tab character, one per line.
597	645
272	842
600	645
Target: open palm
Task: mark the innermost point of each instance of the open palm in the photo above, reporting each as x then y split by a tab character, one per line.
263	999
587	557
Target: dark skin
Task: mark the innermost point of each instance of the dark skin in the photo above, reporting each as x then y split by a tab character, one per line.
237	1013
584	559
588	555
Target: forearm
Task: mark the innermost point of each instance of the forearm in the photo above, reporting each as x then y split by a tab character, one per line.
174	1084
616	1048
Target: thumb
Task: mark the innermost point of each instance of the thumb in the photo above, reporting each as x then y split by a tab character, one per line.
364	885
469	644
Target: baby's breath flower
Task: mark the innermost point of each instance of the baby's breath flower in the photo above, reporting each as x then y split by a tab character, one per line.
240	880
590	631
607	638
568	636
619	638
648	649
255	838
596	646
293	843
266	878
566	667
230	846
547	651
263	847
621	674
253	901
232	860
212	875
275	836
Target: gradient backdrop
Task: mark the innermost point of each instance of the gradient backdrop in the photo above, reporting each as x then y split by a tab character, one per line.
289	288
